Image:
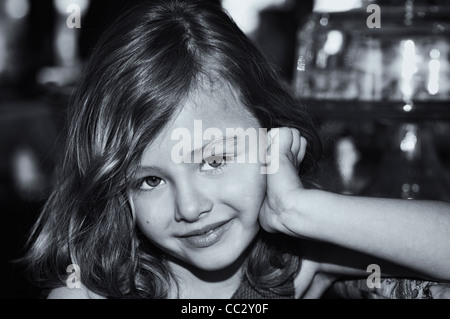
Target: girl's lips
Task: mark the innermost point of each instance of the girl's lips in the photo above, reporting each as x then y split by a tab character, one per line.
206	236
204	230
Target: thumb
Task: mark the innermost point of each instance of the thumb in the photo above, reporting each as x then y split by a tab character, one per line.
285	151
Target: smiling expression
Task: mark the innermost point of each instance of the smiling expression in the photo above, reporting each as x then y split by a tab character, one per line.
204	214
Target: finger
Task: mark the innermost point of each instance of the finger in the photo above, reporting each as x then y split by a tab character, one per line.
304	278
296	146
281	138
309	283
317	288
282	160
302	152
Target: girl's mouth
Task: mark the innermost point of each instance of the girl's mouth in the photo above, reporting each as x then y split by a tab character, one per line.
206	236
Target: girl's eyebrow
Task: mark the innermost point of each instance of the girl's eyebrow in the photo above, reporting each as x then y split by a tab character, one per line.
144	169
226	142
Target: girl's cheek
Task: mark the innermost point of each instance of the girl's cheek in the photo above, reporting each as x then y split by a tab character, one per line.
146	211
247	180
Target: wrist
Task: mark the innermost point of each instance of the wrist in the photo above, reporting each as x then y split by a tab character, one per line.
305	212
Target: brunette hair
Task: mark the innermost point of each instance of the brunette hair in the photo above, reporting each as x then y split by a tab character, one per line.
139	74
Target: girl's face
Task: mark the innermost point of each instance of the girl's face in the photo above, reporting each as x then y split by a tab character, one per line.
204	210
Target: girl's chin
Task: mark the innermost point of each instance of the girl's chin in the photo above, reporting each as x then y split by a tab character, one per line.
214	267
220	261
215	263
211	261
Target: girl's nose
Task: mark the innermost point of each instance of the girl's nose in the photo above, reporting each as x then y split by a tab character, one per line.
191	202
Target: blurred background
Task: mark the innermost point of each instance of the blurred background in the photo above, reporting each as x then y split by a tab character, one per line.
375	75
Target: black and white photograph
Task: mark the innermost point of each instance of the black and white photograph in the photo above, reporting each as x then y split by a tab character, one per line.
225	153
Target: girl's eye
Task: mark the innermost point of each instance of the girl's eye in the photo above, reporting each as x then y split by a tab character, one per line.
213	163
151	182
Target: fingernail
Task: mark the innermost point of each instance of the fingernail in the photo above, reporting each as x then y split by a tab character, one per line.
270	137
272	134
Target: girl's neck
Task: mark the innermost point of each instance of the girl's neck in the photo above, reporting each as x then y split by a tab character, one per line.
194	283
192	286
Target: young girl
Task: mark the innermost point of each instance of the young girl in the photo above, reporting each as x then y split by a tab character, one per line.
140	223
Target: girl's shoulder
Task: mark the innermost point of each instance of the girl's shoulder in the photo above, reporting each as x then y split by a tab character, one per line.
73	293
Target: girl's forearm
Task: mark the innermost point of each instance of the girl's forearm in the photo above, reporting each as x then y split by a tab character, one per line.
413	234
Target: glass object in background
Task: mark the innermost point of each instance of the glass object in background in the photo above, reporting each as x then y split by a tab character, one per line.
411	167
396	76
66	43
13	59
340	57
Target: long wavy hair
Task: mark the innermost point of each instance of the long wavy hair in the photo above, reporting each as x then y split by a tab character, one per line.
136	79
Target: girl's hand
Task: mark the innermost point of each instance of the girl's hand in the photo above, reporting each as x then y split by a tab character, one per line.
310	282
283	184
